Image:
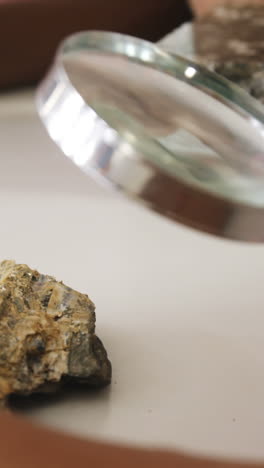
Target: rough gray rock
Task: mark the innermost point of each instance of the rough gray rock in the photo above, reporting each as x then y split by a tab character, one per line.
230	41
47	334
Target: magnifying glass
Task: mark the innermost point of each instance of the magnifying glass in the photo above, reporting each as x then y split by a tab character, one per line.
169	133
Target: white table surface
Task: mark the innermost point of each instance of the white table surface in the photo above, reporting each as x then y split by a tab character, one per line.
181	313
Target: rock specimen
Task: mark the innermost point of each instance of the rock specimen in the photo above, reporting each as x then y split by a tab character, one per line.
47	334
230	41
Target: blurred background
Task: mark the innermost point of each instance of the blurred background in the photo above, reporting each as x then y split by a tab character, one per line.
30	30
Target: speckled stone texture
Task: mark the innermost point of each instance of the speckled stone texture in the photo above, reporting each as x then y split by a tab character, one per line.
230	41
47	334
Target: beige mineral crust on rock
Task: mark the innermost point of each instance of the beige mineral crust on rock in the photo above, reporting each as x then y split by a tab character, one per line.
47	334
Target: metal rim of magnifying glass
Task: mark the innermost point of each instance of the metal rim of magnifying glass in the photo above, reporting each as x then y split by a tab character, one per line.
63	112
